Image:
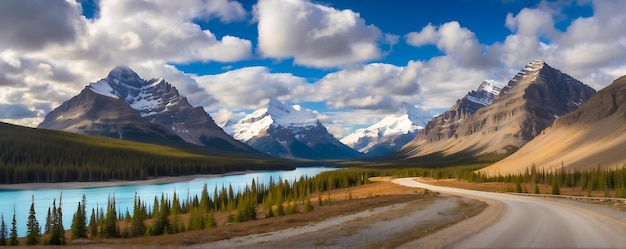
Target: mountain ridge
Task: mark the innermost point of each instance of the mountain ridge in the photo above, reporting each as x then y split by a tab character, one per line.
291	132
390	133
527	105
592	136
152	110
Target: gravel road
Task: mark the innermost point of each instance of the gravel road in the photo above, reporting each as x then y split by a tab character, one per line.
523	222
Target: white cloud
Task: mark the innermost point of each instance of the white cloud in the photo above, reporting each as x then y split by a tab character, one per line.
47	60
428	35
315	35
531	22
247	88
29	24
375	86
457	42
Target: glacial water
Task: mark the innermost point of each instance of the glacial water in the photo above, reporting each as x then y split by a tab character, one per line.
97	197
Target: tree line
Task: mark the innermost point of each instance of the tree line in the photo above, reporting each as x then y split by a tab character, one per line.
33	155
277	198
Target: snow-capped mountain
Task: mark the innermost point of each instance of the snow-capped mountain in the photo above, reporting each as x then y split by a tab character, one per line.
530	102
390	133
125	106
290	131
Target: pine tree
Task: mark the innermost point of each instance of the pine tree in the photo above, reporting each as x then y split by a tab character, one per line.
137	225
48	226
109	227
280	210
79	228
3	232
210	221
33	229
93	225
13	237
57	232
555	188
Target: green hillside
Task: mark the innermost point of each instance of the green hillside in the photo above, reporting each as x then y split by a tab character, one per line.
37	155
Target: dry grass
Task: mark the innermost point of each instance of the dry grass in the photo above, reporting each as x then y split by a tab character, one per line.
378	194
502	187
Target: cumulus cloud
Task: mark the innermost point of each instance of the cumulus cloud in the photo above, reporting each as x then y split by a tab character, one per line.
375	86
587	49
592	49
315	35
29	24
247	88
531	22
49	51
458	42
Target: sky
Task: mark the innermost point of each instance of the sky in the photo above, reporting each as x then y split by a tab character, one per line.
353	61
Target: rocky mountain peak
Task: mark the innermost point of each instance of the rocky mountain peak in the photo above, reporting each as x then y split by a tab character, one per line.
123	102
289	131
531	101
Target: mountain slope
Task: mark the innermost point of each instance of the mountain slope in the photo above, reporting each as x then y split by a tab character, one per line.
40	155
390	133
530	102
287	131
593	135
124	106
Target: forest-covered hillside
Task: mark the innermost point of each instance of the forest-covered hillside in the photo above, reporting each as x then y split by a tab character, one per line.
37	155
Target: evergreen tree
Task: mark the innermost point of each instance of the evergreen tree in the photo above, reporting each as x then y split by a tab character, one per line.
137	225
93	225
555	188
13	237
57	233
33	229
79	227
48	226
109	227
3	232
210	221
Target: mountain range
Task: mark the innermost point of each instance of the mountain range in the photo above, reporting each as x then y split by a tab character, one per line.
529	103
594	135
125	106
390	133
290	131
553	119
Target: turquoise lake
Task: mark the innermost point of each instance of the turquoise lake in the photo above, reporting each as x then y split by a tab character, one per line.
97	197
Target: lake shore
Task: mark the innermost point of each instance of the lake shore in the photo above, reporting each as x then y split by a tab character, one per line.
114	183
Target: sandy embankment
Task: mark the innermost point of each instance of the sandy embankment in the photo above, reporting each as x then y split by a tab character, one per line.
160	180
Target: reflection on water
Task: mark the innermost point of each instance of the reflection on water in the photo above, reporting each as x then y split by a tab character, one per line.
97	197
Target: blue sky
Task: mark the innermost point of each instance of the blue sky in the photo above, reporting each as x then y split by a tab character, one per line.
353	61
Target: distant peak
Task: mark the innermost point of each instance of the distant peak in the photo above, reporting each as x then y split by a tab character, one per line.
122	72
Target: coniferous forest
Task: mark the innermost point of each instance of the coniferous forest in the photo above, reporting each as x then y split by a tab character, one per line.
34	155
162	215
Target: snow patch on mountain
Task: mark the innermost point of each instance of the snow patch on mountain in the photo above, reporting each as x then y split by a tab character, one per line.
276	113
142	95
103	88
409	121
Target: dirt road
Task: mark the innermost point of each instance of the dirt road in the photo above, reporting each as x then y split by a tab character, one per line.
523	222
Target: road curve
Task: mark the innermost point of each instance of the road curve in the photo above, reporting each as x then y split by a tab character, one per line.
523	222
